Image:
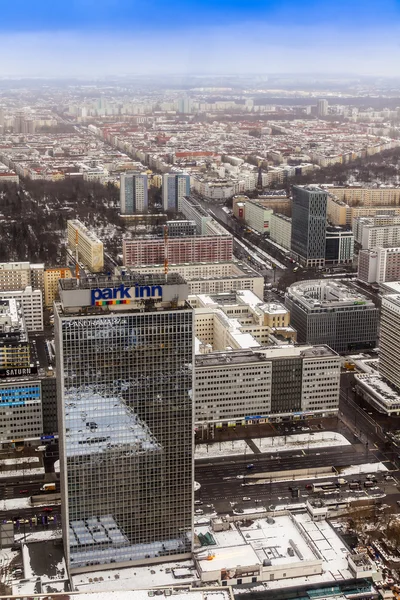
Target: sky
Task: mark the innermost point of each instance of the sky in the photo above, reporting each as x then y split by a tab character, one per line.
66	38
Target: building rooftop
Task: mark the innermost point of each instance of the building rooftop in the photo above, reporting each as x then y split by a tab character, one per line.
377	387
128	277
320	294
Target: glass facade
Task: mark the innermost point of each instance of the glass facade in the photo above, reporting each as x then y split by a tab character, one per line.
126	435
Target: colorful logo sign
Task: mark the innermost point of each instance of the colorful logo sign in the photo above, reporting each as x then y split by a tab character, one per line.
124	295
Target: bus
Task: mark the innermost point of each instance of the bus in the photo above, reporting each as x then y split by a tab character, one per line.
324	486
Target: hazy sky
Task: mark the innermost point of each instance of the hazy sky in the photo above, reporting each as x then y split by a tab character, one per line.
98	37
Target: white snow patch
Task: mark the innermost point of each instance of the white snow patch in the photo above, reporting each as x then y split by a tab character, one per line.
365	468
223	449
21	473
19	460
39	536
281	443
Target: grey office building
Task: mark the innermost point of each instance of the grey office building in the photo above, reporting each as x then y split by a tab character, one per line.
309	225
124	359
332	313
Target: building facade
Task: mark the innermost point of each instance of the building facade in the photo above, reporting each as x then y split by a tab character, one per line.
331	313
193	211
51	277
88	247
389	340
181	228
19	275
379	265
339	246
383	236
214	278
31	304
281	230
125	398
192	249
175	186
258	217
308	225
133	193
266	384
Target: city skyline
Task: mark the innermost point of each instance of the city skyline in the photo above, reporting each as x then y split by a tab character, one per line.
117	37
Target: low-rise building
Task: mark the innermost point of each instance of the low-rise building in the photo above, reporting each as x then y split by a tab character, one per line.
332	313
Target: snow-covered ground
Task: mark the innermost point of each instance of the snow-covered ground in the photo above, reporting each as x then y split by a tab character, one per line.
22	473
366	468
18	503
39	536
319	439
20	460
223	449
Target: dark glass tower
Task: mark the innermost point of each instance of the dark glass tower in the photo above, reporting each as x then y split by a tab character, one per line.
309	225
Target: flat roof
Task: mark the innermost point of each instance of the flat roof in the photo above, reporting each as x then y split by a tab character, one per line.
128	278
376	386
322	293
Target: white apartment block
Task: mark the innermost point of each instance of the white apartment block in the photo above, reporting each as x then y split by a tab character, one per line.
89	247
366	196
258	217
389	343
379	265
19	275
193	211
360	223
266	384
32	306
384	236
281	230
213	278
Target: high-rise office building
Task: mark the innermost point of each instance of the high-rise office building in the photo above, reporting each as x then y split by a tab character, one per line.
322	107
339	246
309	225
175	187
125	403
133	193
83	242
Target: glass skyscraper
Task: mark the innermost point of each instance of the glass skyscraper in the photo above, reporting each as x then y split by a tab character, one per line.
125	357
309	225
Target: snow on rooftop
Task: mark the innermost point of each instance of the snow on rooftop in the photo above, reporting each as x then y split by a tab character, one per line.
135	578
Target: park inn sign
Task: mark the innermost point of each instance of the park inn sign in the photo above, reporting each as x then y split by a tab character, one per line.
123	294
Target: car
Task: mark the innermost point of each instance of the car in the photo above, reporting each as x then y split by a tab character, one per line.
23	491
250	466
199	511
246	499
198	502
305	429
48	509
239	476
309	486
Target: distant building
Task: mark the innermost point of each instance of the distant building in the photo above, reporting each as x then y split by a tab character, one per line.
339	246
181	228
89	247
19	275
14	342
281	230
193	249
133	193
175	186
194	211
322	108
211	278
185	105
332	313
51	277
384	236
309	225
